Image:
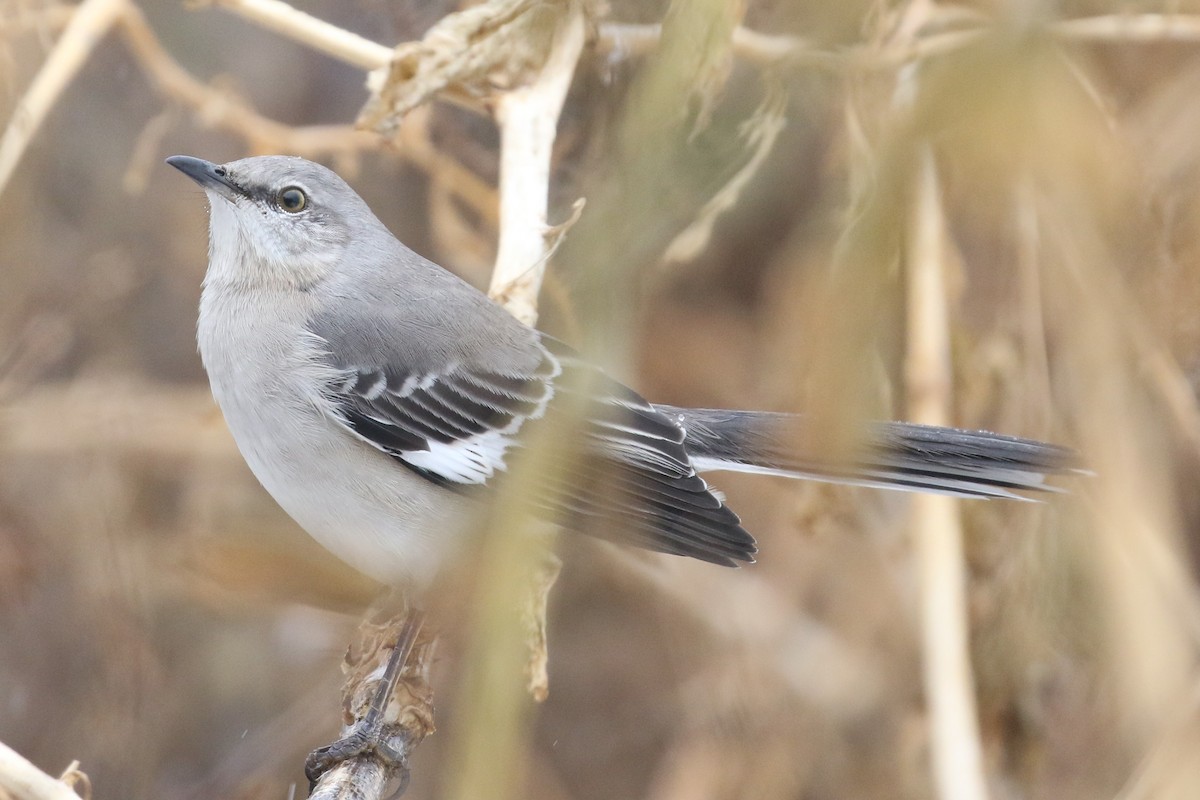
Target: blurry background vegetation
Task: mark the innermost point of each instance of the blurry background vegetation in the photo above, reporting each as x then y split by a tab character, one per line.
164	623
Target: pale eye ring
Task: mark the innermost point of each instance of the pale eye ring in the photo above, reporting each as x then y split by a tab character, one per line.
292	199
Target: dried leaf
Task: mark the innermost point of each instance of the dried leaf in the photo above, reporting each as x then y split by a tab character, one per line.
495	45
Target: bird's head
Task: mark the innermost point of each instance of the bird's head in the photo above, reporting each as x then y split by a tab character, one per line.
276	219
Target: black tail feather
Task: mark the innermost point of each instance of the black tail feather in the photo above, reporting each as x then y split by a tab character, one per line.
897	455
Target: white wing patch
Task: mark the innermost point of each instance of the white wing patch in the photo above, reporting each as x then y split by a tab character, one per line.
472	460
457	425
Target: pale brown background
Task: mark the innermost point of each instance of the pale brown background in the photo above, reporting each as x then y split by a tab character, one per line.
164	623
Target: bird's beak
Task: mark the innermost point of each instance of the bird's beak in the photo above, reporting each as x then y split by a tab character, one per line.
210	176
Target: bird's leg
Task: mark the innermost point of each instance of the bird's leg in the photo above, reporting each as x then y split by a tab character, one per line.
374	733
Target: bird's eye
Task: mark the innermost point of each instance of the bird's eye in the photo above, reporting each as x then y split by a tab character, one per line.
292	199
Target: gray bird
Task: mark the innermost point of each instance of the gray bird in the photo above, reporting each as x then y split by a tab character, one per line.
378	397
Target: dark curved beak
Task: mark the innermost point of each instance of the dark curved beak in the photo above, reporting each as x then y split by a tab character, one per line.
213	177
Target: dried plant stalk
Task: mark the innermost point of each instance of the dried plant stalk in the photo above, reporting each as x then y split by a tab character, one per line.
937	532
528	119
533	615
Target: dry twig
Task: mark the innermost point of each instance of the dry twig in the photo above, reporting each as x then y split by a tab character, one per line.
306	29
89	24
223	110
23	781
466	56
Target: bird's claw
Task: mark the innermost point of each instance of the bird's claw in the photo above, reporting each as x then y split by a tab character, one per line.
365	739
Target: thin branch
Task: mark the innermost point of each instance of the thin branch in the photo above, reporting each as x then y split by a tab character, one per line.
528	120
949	683
221	109
21	780
89	24
622	40
217	108
306	29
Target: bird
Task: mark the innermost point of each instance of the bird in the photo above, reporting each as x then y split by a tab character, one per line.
380	399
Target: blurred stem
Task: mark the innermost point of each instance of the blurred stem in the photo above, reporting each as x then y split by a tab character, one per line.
628	224
949	682
488	754
1033	331
489	749
89	24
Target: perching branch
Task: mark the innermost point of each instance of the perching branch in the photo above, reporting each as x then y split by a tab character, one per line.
387	684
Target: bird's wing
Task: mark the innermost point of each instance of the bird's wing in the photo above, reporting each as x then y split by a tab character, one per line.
456	425
631	479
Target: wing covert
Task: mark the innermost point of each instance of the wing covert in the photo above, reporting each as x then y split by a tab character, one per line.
457	425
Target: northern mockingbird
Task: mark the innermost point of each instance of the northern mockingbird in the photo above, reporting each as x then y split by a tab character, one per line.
377	397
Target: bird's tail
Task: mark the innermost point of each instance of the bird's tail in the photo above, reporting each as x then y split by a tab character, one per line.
894	455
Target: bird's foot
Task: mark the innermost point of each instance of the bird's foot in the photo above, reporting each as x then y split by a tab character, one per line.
366	738
374	736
